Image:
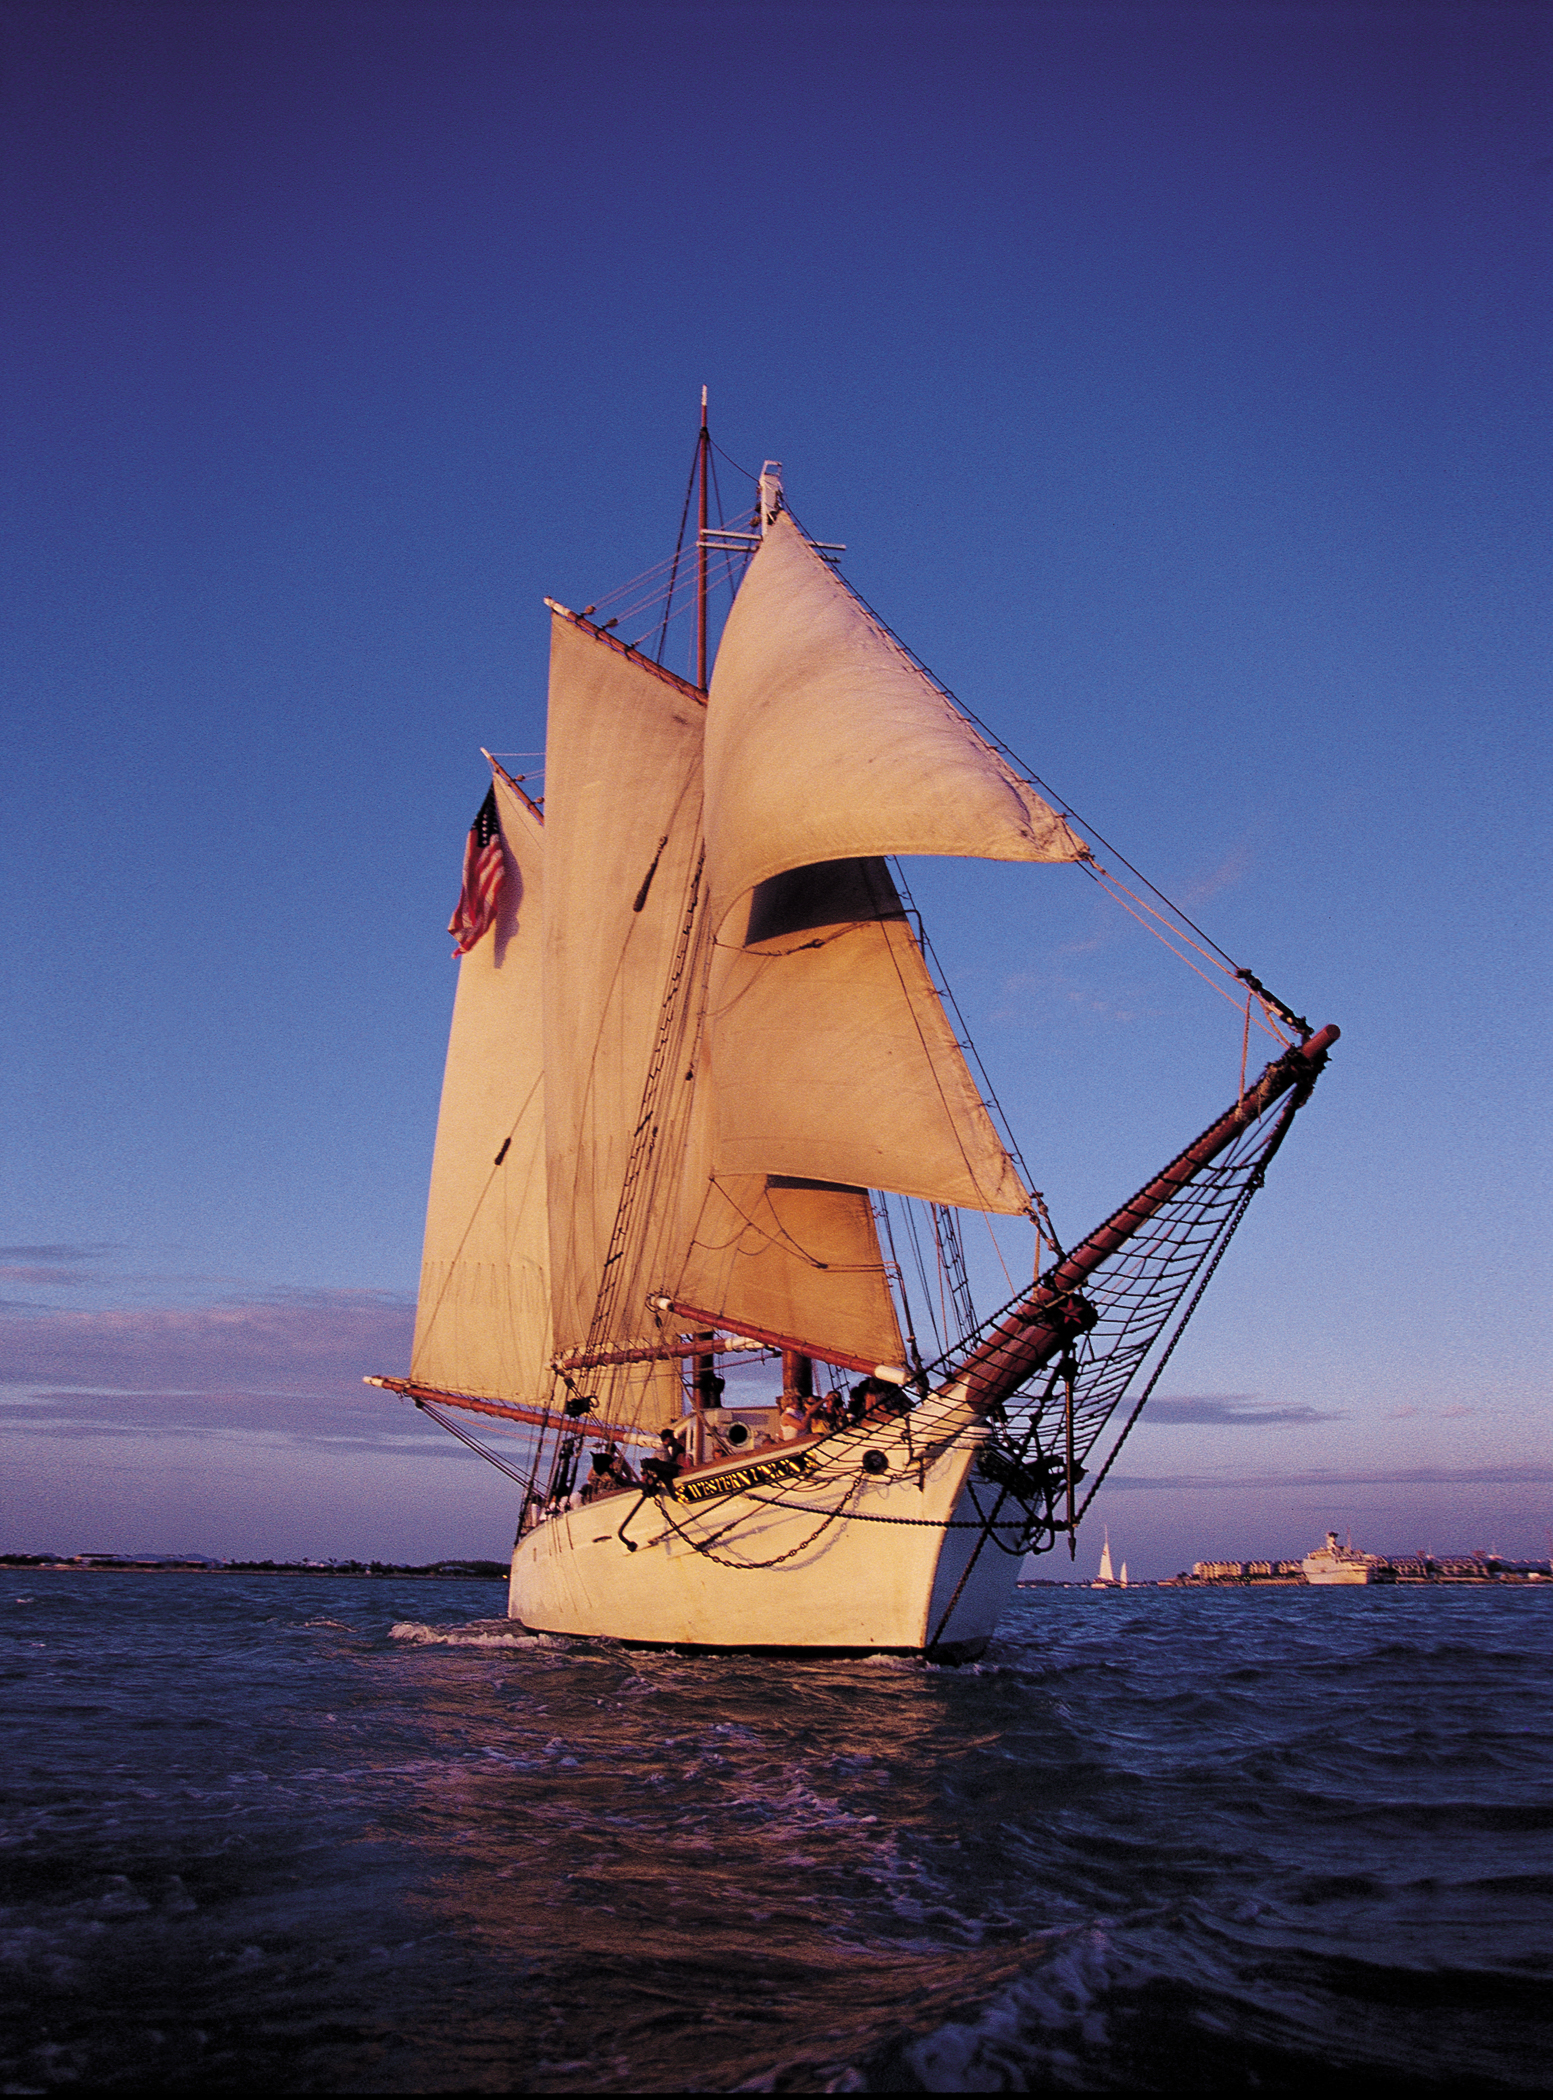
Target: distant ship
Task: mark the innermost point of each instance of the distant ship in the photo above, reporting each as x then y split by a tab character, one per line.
1333	1563
704	1107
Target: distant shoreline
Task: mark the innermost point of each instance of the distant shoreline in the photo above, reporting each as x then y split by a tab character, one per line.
1514	1577
355	1571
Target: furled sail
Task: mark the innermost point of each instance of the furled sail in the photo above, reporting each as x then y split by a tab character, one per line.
622	875
831	1055
482	1322
825	742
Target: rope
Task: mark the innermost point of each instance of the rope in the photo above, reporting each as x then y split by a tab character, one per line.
1253	1183
830	1517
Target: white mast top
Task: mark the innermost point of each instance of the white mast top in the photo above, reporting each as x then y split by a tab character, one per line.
770	493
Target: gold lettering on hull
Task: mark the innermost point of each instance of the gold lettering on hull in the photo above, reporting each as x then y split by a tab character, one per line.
743	1477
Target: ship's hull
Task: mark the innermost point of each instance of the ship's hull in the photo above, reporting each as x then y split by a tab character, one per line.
1325	1574
834	1557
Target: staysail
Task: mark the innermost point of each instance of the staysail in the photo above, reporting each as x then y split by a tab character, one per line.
795	1260
482	1322
831	1054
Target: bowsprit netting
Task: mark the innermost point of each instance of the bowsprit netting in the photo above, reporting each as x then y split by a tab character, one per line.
1143	1298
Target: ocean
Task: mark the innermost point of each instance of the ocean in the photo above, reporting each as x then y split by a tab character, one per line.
335	1835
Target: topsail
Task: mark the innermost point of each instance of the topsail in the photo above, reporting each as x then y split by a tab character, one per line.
826	742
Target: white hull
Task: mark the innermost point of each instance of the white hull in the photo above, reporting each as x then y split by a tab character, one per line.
1333	1565
783	1577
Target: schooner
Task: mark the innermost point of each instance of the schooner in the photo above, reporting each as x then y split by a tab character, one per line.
698	1067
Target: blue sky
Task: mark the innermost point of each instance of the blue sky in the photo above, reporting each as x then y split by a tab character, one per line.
1177	378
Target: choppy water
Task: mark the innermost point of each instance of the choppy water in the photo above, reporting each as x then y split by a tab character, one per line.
318	1833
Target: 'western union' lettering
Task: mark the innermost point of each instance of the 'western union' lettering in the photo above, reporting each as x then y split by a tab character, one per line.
743	1477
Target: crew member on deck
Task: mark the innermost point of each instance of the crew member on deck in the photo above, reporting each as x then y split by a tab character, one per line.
827	1413
793	1421
875	1399
663	1471
609	1475
598	1481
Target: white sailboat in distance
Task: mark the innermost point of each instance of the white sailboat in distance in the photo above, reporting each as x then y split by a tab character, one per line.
704	1108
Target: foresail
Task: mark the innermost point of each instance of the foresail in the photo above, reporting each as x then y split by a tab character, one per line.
831	1056
797	1260
622	878
825	742
482	1322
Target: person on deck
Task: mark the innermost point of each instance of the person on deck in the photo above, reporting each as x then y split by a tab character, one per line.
609	1476
793	1421
826	1414
875	1400
597	1482
663	1471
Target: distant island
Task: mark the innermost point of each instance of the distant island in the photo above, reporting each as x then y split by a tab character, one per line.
200	1564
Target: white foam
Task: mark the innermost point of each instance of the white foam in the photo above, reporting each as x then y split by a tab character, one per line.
477	1633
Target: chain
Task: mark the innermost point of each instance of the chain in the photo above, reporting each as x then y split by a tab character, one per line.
830	1517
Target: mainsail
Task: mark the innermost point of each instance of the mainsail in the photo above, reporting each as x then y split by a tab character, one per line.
482	1322
623	852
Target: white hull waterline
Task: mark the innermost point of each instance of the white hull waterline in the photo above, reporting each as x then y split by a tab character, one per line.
835	1557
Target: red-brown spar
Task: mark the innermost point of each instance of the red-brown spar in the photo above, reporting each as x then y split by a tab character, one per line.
704	1103
1055	1312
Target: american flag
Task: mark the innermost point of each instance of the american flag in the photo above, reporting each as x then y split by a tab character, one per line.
484	872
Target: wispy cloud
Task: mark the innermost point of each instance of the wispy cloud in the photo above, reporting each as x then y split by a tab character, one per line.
1531	1473
53	1266
61	1251
1237	1411
1232	869
284	1341
42	1278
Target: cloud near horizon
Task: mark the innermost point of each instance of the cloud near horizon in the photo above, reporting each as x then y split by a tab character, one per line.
1236	1411
283	1342
1530	1473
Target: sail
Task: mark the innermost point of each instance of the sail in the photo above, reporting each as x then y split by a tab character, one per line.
826	742
482	1321
798	1260
831	1055
1105	1574
622	862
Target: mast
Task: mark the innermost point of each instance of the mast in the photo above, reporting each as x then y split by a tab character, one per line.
703	450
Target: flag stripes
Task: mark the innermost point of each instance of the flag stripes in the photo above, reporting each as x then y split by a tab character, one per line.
485	870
